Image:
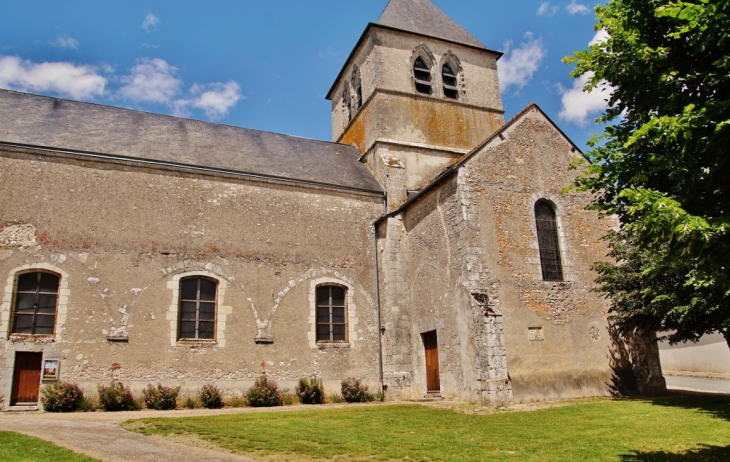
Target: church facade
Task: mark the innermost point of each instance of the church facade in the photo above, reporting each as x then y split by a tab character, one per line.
427	250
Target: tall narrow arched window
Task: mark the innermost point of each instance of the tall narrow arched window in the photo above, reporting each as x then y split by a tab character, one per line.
197	315
448	76
422	76
36	297
547	236
347	101
331	314
357	86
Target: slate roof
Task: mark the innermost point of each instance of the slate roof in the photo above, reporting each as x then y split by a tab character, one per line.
42	121
425	18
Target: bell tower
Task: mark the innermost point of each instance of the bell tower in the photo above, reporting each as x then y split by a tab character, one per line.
416	94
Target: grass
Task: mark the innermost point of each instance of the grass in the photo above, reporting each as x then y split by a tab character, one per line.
20	448
662	429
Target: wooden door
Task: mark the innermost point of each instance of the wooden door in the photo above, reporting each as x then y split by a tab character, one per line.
26	378
433	381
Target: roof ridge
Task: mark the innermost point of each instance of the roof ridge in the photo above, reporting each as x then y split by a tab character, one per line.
425	18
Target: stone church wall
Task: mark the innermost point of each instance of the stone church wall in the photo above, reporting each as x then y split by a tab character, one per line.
555	332
121	236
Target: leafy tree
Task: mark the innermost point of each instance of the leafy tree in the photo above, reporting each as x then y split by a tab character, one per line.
661	164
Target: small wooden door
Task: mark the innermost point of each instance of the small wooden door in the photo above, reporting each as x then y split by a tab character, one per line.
26	378
433	381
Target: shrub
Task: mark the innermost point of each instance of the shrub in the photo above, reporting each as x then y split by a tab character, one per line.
310	391
264	393
190	402
160	398
61	397
117	397
335	398
210	397
87	405
237	401
287	398
354	392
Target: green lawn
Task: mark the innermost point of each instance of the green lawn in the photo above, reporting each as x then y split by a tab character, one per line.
16	447
662	429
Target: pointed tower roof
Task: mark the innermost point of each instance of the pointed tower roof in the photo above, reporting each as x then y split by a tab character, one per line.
425	18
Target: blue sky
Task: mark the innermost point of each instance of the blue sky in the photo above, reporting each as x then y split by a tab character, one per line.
268	65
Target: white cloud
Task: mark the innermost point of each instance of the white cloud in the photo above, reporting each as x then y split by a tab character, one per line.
150	21
547	10
66	42
151	81
579	106
518	66
78	82
215	99
574	8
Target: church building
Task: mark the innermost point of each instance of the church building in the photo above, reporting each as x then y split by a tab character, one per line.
427	250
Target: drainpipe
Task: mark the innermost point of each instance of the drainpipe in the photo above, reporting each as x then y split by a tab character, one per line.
377	293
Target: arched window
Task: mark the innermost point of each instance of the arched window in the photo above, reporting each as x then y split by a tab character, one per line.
347	101
36	299
448	76
357	86
422	76
197	314
331	314
547	237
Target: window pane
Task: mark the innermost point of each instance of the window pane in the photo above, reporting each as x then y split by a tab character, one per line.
207	310
28	282
187	310
24	303
206	330
338	332
187	329
323	295
44	324
338	315
189	289
207	289
338	296
23	325
47	304
49	283
323	332
323	315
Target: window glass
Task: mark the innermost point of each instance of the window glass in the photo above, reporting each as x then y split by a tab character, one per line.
331	314
547	236
197	309
36	297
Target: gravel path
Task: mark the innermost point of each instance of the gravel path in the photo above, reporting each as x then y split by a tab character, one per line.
99	435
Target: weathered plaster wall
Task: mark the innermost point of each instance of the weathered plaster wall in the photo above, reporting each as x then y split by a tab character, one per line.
122	236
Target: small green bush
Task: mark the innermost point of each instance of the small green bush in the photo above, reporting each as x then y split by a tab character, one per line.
264	393
210	397
61	397
237	401
354	392
288	398
335	398
160	398
87	405
190	402
310	391
117	397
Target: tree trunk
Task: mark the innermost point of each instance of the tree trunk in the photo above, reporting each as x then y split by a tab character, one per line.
726	334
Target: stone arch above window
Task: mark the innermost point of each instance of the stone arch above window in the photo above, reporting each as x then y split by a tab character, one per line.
356	88
333	315
451	77
35	302
423	62
197	314
548	241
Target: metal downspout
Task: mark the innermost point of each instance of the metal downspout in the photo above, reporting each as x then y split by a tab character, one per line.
377	294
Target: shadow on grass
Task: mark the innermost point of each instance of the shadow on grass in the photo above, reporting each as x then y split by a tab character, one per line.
714	404
703	453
